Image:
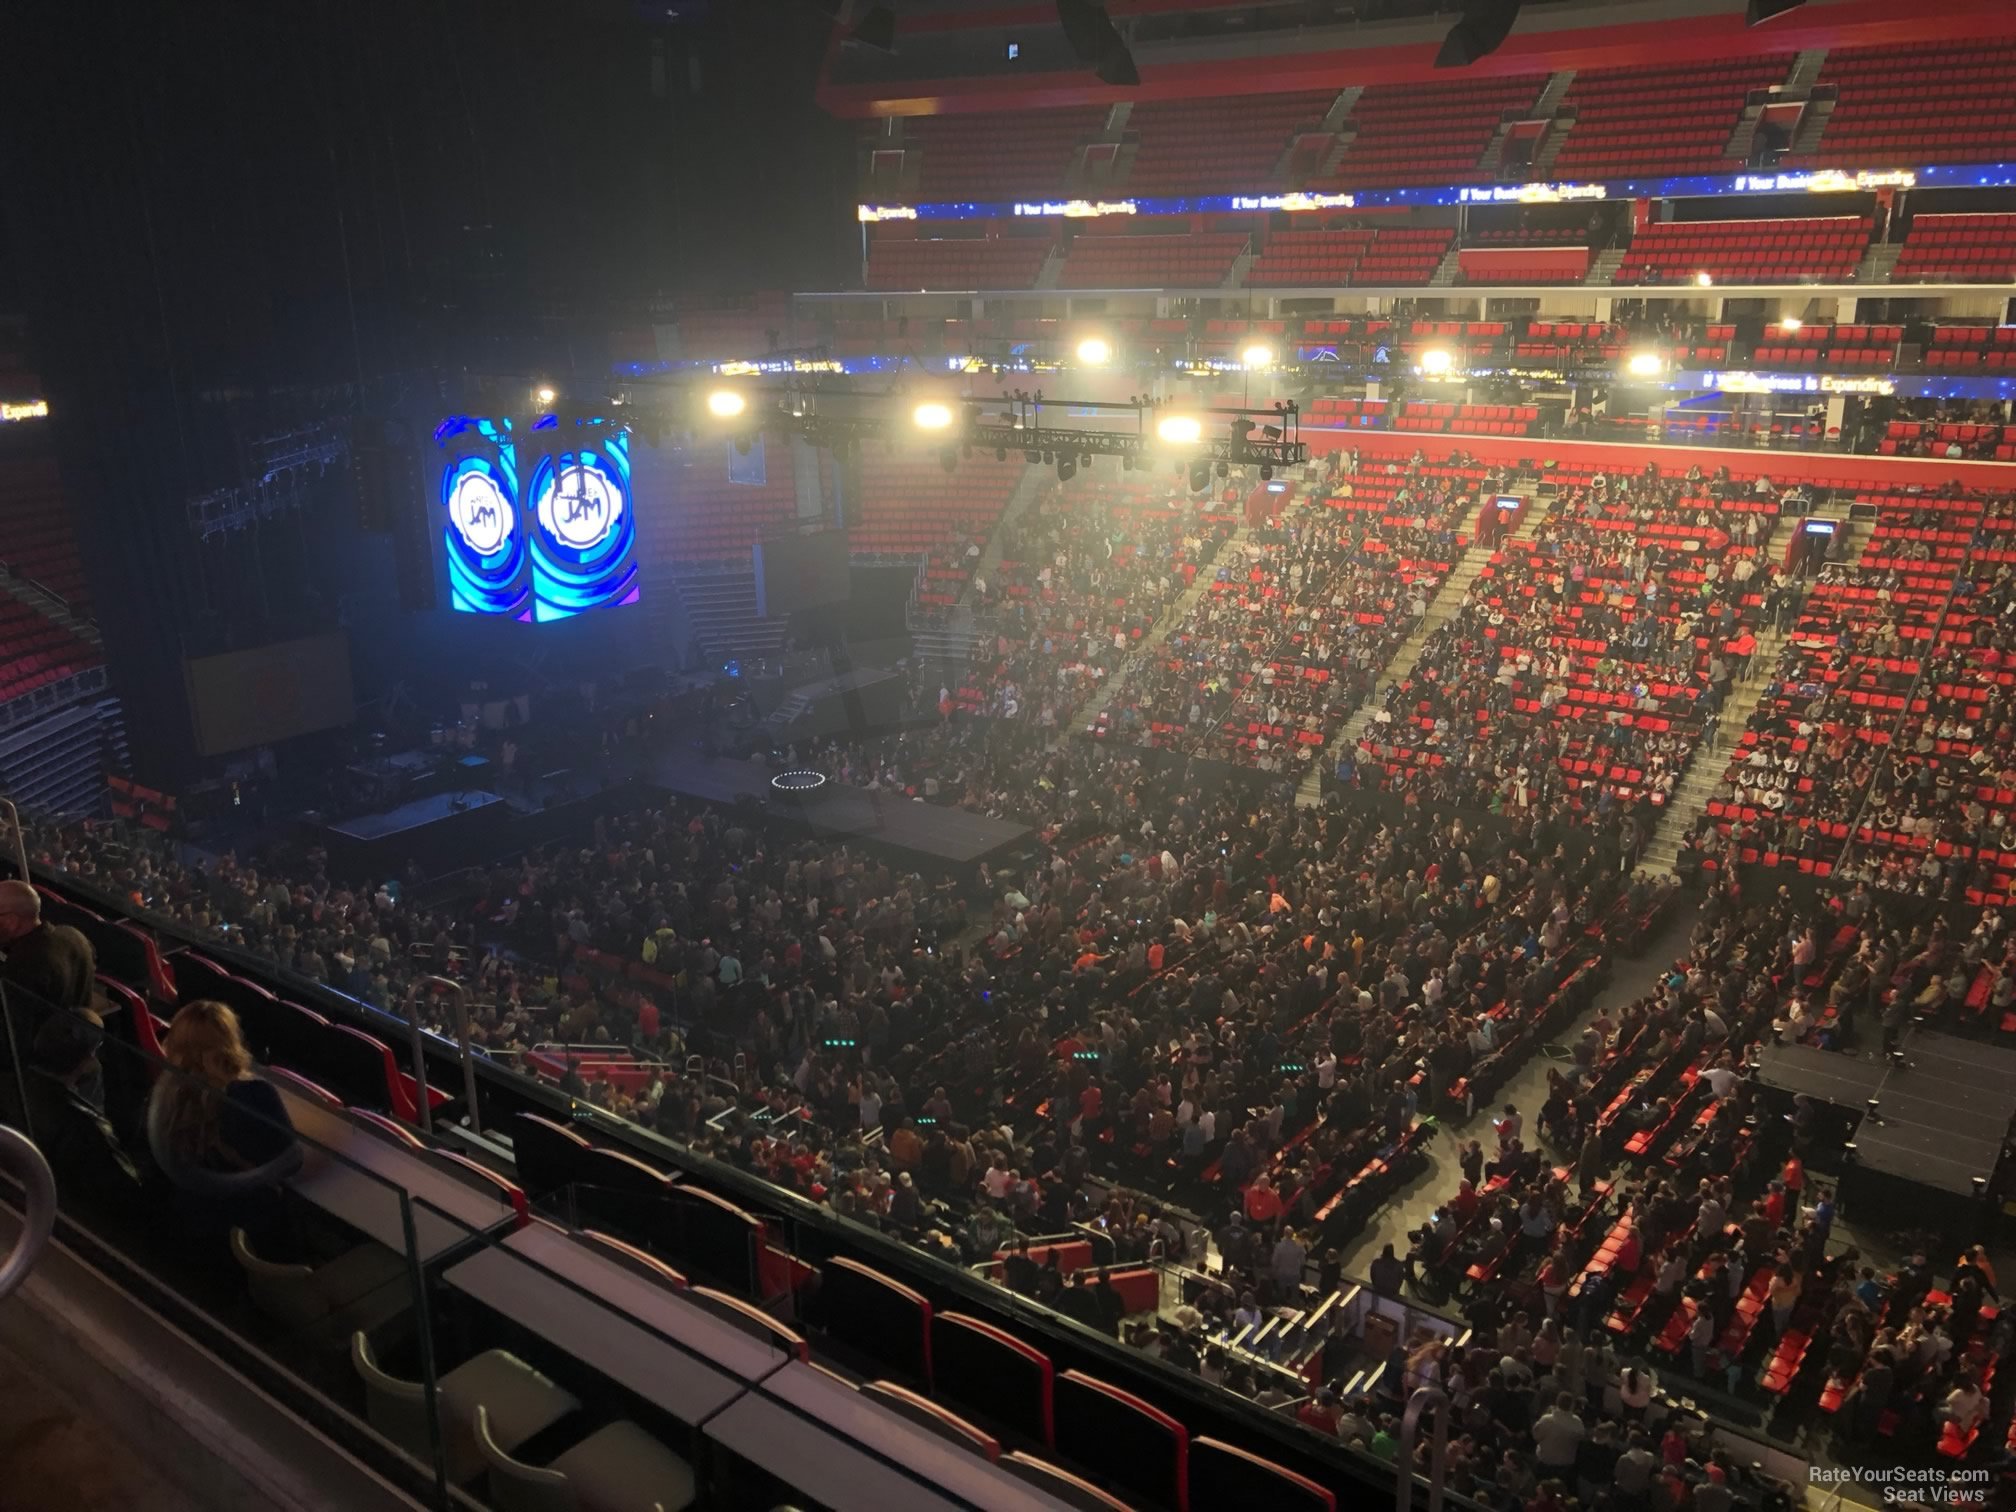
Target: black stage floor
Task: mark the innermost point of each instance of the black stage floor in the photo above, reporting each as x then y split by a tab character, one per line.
1940	1120
947	836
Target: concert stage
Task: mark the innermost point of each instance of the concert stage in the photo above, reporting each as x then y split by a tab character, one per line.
923	833
441	833
1938	1125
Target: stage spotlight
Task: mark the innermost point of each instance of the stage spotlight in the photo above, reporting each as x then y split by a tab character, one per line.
544	394
1224	469
1257	356
949	459
1097	42
1033	458
1094	352
1180	430
1704	279
1760	11
1271	432
1266	473
1200	476
1645	365
1436	360
1067	468
1000	454
1791	323
932	415
1484	27
726	404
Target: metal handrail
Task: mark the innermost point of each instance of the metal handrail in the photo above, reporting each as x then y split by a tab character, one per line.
461	996
1424	1398
22	1160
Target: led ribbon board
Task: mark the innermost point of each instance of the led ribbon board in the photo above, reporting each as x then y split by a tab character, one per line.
1820	181
544	546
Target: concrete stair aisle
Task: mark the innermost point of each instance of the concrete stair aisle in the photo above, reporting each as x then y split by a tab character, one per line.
1603	267
1701	778
1812	122
1052	269
1028	488
1550	97
1552	140
1341	108
1878	262
1449	269
1745	135
1494	150
1236	278
1104	695
1806	68
1442	608
45	603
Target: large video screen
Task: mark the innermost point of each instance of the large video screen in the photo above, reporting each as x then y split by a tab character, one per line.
250	698
538	526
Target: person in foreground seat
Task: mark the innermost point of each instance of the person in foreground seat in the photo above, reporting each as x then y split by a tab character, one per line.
219	1133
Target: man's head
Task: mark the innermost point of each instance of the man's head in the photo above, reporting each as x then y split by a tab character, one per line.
20	910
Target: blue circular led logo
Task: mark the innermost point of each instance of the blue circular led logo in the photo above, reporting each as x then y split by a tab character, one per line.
584	549
486	549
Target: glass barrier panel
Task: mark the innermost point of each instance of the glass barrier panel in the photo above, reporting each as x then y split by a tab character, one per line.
597	1360
244	1204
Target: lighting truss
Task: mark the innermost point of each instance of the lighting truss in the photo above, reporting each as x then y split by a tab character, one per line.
834	417
274	479
320	445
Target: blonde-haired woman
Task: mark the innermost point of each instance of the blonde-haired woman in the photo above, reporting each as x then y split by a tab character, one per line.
219	1133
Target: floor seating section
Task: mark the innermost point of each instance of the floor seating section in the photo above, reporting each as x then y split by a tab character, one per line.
715	520
36	540
1803	249
969	262
1436	133
1616	709
1132	544
35	650
1903	107
1894	107
1620	132
730	326
1423	415
1571	341
1214	146
910	504
1935	438
1393	255
997	156
1298	621
1972	348
1154	261
1958	249
1902	641
1567	261
1844	348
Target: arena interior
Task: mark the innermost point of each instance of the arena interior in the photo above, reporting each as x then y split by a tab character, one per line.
1167	754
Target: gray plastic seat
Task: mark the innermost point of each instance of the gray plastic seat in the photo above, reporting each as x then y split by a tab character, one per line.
620	1468
522	1403
361	1290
